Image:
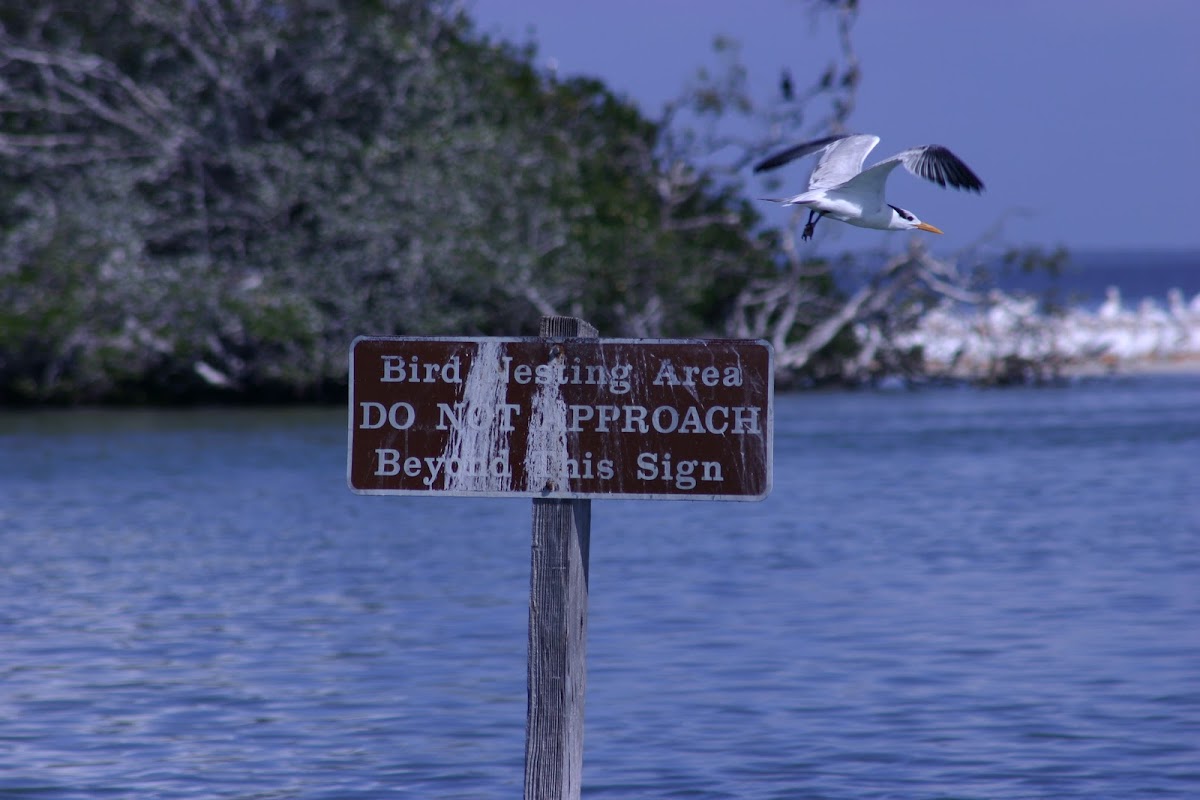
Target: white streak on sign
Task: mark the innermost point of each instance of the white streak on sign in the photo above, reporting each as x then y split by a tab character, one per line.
476	457
546	443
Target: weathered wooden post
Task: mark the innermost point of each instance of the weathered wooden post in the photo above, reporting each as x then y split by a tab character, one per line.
558	606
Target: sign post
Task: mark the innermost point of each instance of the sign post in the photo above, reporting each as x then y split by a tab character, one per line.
556	667
561	418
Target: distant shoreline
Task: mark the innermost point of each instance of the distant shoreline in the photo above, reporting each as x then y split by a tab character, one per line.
1189	365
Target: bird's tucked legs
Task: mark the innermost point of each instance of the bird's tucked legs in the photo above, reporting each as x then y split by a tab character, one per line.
811	225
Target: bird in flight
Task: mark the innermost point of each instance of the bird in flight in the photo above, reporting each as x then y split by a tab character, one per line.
840	188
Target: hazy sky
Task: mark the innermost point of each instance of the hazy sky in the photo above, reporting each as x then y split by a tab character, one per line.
1083	113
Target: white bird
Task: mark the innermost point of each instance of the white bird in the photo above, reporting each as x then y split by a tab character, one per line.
839	187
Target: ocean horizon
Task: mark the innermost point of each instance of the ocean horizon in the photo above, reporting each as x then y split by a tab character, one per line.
1085	276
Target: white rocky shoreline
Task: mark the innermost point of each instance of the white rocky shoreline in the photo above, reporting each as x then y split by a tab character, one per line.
1012	334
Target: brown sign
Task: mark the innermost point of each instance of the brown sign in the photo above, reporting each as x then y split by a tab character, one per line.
650	418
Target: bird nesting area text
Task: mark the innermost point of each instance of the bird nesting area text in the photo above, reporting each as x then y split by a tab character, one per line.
650	418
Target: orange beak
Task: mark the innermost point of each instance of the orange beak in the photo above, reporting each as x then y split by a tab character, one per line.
926	227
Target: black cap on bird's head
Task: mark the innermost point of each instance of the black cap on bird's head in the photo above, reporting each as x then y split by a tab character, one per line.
909	220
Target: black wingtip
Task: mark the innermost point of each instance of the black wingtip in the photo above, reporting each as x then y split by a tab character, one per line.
771	163
795	151
939	165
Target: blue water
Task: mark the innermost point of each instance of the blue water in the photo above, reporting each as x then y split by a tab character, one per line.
950	594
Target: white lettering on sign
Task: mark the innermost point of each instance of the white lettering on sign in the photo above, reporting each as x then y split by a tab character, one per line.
658	466
691	375
616	378
739	420
587	467
400	415
720	420
390	461
397	370
457	416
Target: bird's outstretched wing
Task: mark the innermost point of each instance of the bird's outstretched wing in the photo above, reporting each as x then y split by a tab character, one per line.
841	160
937	164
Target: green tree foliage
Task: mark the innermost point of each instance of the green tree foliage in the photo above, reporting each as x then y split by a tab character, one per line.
219	195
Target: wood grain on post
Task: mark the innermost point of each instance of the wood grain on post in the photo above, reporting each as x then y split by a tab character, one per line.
558	600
